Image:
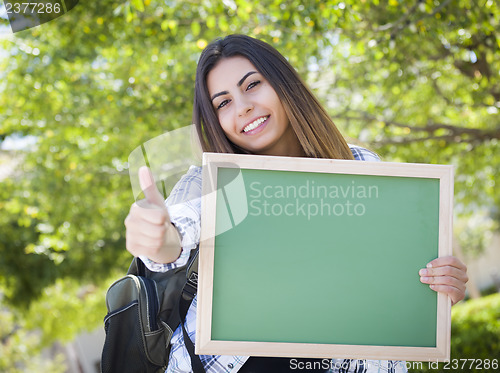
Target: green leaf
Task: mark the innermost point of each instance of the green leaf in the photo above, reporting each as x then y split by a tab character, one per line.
195	28
211	21
138	4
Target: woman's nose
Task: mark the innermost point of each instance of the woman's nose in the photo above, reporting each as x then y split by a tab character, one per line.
244	107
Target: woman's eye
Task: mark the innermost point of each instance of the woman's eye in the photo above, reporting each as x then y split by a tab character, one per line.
253	84
222	104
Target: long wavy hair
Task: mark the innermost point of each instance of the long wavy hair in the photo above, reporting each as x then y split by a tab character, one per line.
315	130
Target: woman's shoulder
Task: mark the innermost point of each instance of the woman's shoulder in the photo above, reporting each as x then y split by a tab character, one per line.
193	174
194	170
188	187
363	154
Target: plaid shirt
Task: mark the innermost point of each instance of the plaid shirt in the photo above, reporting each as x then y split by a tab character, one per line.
184	207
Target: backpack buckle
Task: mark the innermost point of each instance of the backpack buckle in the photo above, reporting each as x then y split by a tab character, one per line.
193	279
191	285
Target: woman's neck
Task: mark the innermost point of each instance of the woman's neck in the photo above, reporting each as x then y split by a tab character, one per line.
289	146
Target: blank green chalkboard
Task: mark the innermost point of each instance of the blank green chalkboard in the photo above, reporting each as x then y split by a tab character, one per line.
320	258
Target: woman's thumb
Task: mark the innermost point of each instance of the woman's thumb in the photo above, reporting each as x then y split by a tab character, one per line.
148	186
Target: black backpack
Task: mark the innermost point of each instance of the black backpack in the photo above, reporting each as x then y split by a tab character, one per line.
144	309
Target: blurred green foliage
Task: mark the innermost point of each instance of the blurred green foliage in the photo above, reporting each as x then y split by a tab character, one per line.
20	349
475	338
415	81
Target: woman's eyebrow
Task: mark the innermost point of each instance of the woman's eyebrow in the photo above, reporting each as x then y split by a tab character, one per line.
219	94
245	76
237	84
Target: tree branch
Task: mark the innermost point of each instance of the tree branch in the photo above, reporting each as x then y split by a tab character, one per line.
405	16
437	10
403	22
455	133
450	102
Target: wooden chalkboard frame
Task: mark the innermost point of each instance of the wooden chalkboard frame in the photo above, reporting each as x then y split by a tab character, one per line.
204	342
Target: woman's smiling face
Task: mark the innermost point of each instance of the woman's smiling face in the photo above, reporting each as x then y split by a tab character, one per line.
249	110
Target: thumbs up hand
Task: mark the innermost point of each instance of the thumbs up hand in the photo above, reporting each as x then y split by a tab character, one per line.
148	186
149	231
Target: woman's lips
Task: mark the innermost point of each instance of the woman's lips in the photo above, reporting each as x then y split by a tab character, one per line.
259	127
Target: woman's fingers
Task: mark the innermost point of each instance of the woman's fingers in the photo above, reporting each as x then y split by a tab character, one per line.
145	230
446	271
148	213
446	275
452	261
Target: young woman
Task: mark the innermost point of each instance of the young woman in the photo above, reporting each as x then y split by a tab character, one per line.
249	99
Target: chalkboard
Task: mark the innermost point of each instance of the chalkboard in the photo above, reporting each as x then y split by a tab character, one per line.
308	257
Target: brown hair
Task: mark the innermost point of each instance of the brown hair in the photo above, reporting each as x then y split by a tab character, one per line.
315	130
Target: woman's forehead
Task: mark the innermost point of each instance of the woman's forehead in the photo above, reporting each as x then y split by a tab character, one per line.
227	73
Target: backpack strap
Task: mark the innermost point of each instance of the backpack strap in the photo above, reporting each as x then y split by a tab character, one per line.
137	267
141	267
188	293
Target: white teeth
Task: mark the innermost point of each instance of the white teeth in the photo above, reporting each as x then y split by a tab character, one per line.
254	124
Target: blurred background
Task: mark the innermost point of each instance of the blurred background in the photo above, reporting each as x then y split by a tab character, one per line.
416	81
